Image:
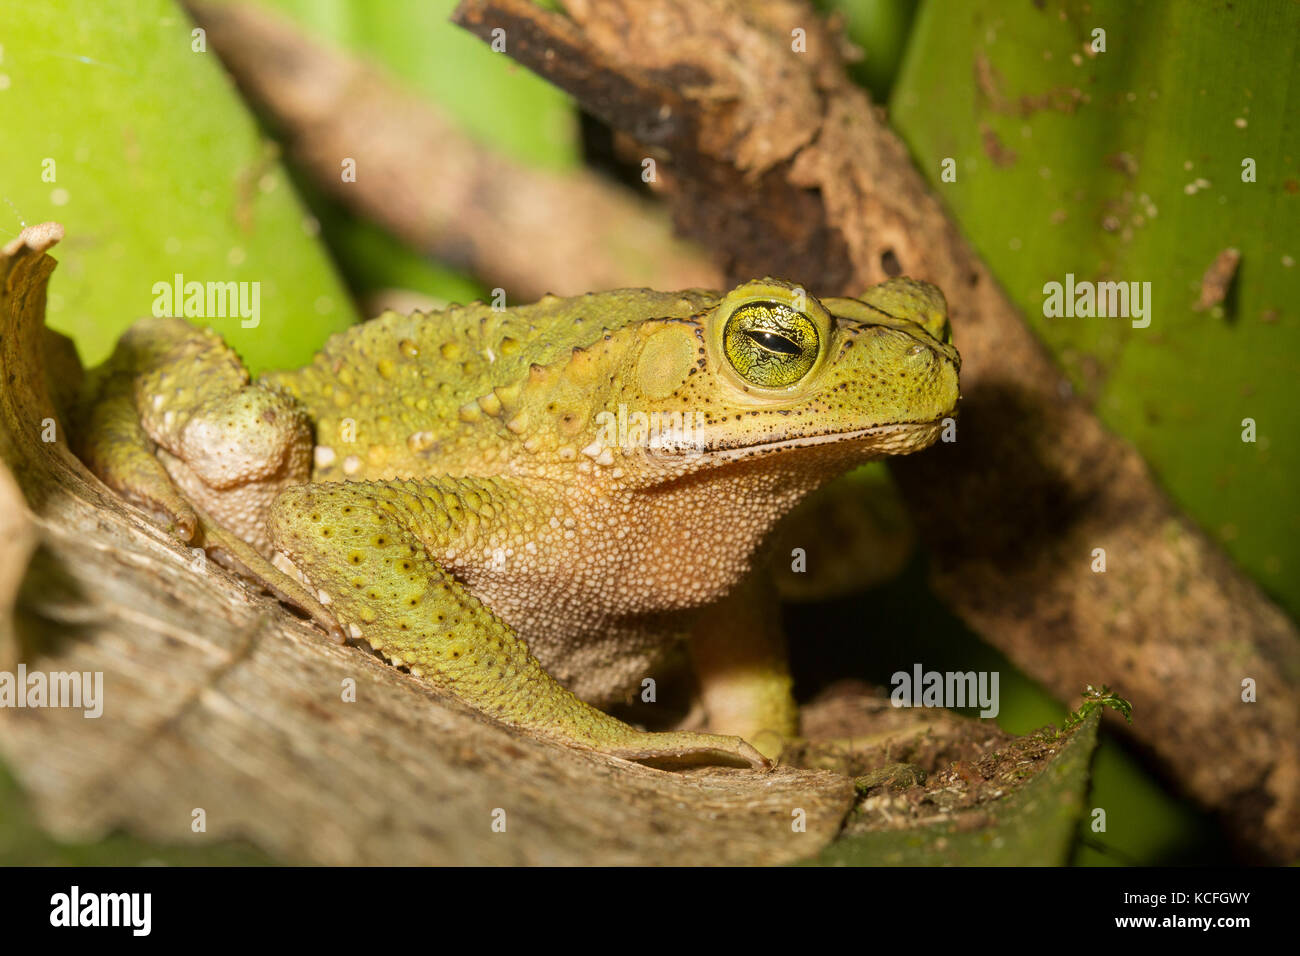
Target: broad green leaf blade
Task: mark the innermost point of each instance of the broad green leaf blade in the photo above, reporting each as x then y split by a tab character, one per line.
1127	165
117	128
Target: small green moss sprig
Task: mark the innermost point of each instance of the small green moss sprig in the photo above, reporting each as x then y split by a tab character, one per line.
1094	699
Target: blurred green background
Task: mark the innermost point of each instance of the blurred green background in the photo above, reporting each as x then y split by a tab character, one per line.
1124	164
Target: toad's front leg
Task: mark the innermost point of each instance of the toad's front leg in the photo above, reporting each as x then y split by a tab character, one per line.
172	422
367	547
738	653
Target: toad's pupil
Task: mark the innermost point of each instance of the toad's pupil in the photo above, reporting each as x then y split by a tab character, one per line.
774	343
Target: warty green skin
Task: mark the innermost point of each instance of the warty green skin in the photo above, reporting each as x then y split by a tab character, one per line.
456	491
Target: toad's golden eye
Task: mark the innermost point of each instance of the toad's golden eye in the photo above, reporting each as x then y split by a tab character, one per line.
771	345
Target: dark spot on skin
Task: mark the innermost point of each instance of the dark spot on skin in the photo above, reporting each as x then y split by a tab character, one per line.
890	264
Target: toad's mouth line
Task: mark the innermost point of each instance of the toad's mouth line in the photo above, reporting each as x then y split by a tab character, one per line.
739	450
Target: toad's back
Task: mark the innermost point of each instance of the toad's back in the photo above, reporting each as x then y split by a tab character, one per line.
410	395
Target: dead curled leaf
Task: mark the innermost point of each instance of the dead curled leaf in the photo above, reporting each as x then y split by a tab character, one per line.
17	542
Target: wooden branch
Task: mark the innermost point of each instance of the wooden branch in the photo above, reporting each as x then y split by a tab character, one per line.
420	176
781	165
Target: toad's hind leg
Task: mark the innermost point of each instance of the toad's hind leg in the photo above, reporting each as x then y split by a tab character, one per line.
363	545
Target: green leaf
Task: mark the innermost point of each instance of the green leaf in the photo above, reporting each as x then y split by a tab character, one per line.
1127	165
115	127
878	28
